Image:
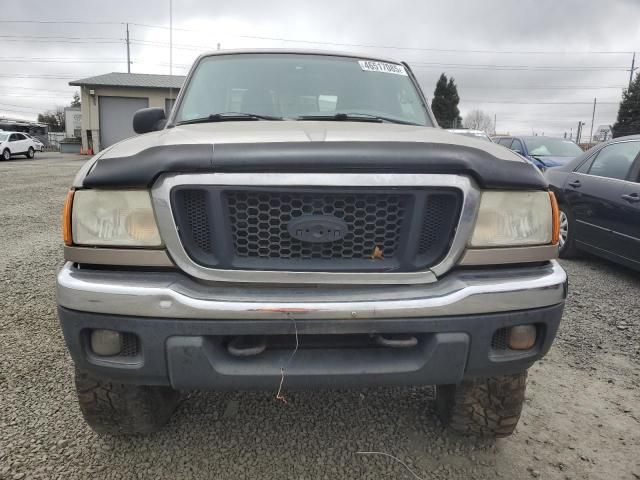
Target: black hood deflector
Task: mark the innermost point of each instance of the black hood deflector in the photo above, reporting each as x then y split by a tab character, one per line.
141	170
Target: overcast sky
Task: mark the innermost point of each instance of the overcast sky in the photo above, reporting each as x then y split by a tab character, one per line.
466	39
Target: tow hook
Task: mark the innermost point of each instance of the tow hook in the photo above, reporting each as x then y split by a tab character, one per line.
396	340
247	346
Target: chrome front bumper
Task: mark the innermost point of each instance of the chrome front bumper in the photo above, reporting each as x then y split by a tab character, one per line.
174	295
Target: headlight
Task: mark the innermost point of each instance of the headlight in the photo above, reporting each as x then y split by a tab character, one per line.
513	219
114	218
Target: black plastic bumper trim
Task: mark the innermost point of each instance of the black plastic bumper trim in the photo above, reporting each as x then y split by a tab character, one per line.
189	354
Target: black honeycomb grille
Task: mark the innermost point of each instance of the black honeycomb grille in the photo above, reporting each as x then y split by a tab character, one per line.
130	346
439	211
247	228
500	340
259	224
197	216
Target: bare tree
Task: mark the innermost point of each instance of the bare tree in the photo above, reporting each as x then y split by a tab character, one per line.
478	120
53	118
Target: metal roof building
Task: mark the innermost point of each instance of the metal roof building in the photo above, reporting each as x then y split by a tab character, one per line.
110	100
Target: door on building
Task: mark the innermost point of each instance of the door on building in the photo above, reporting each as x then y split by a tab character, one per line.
116	118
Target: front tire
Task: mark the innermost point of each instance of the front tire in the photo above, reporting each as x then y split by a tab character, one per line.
31	153
487	407
567	246
123	409
6	154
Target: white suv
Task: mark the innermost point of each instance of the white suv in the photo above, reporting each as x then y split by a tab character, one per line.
16	143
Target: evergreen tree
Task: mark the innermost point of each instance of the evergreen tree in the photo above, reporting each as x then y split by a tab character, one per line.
445	103
76	100
628	122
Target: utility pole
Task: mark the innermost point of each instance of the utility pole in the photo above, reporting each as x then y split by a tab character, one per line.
128	52
579	132
571	134
632	69
593	116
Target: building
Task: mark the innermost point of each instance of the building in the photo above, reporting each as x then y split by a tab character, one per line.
38	130
602	134
72	122
109	101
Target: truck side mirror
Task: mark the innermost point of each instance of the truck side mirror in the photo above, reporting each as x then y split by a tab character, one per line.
149	120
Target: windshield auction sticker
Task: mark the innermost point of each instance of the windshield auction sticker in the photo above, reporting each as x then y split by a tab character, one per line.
371	66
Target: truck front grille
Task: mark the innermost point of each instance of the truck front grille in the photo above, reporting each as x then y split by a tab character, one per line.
259	224
248	227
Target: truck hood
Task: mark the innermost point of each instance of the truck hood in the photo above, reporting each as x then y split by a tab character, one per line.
298	131
301	146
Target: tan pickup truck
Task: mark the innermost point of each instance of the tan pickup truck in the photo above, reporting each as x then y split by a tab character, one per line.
301	221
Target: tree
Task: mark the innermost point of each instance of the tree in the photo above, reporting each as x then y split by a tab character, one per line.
628	122
54	119
76	100
478	120
445	103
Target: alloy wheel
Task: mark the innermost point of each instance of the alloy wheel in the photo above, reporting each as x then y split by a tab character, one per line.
564	229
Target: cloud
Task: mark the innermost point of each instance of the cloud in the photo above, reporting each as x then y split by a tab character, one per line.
414	25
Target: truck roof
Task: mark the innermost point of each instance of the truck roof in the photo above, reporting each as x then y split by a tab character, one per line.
299	51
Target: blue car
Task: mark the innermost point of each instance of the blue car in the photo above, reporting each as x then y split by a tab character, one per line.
543	152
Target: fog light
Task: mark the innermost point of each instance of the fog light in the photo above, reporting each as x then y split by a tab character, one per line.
106	343
522	337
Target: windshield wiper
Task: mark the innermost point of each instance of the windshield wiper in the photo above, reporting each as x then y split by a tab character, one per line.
229	117
355	117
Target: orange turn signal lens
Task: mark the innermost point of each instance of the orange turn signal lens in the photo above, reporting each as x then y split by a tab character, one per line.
555	216
66	219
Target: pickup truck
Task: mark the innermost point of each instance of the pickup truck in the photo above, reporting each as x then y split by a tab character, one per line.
300	221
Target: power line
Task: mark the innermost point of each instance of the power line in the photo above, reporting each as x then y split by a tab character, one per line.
177	46
340	44
72	42
548	68
18	106
512	102
17	87
69	22
396	47
22	95
550	87
429	64
56	60
14	111
57	77
58	37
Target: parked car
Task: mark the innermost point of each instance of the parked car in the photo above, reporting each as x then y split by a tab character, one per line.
599	201
299	222
37	144
543	152
16	143
479	134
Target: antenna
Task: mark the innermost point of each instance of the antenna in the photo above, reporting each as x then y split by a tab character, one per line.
170	50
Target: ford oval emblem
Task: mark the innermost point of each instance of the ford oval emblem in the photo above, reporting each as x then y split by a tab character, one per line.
317	228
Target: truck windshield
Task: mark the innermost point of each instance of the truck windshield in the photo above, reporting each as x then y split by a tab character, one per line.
293	86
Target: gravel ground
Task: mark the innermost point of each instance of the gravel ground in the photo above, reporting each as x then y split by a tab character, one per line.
581	420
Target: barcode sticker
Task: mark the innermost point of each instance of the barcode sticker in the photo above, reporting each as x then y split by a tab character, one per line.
372	66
